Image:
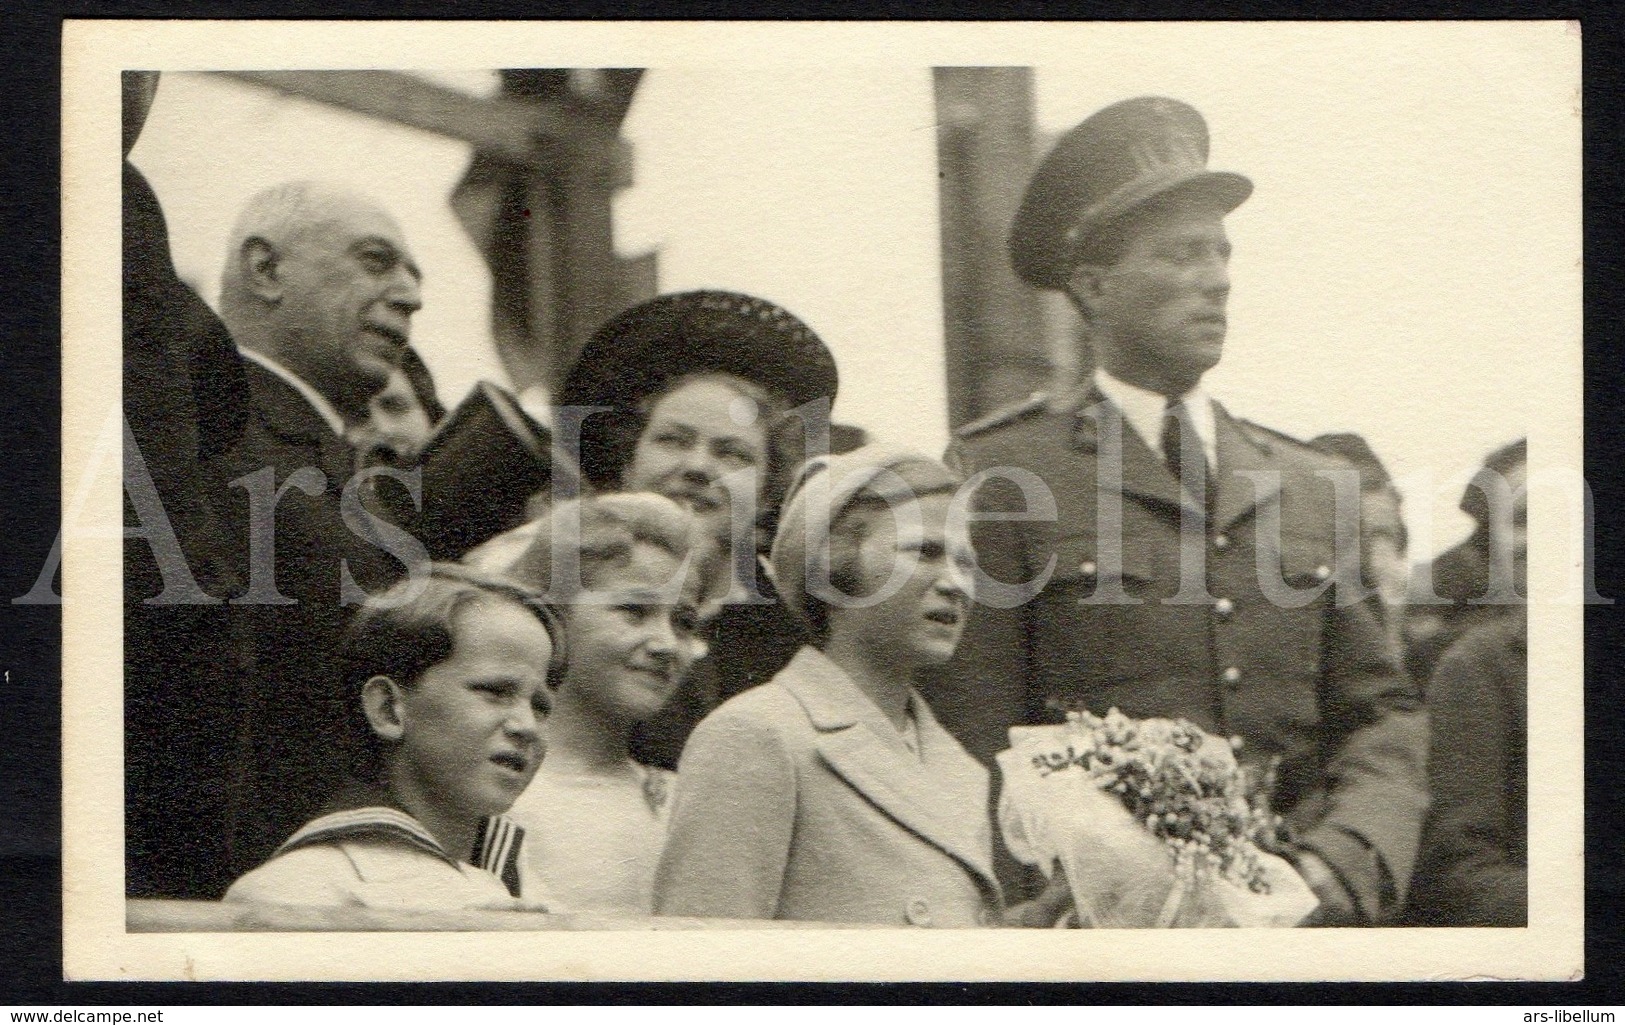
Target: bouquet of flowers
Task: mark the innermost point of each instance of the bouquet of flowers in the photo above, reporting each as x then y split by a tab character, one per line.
1154	821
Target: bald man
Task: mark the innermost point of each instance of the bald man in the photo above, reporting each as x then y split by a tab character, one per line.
319	288
318	291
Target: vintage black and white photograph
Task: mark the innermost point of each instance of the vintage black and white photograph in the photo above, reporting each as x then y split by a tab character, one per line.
837	501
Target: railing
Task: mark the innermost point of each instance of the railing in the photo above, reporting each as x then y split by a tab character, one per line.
148	916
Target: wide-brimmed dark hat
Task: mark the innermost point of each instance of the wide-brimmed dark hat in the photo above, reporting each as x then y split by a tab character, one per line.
1118	159
638	352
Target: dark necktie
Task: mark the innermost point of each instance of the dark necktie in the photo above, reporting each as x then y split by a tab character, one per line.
1187	464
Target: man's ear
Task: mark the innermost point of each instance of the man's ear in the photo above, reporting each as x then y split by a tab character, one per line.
381	700
262	267
1083	286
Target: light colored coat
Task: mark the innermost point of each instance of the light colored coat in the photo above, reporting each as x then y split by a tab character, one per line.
800	800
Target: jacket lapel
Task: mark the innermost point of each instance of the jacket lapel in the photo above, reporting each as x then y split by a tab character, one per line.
945	806
959	786
1248	475
290	416
1098	423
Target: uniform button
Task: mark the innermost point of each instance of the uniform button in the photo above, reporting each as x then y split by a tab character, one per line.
1087	568
1224	606
1322	572
1232	675
918	912
1221	542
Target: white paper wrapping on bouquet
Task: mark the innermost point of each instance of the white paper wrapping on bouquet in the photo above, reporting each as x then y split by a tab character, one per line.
1121	874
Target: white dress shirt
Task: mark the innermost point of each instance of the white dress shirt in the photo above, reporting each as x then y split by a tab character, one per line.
1144	412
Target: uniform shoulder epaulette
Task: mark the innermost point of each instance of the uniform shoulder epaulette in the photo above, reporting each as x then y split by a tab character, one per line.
1037	402
1273	436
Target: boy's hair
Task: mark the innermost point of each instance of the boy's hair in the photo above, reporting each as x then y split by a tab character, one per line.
410	628
600	533
869	481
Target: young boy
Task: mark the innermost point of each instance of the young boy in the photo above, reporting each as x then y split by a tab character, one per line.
451	683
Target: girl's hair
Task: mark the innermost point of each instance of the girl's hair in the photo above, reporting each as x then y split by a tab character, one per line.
601	533
410	628
868	482
769	406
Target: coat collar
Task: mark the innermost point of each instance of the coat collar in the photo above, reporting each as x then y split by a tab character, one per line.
291	416
1146	410
1095	421
1241	452
1250	470
940	794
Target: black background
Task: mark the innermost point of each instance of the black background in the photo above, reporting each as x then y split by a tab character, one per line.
30	639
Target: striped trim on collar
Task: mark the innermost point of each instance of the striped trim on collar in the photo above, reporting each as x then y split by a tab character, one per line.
497	850
371	821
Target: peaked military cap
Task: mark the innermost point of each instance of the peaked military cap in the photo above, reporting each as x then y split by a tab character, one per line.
1115	161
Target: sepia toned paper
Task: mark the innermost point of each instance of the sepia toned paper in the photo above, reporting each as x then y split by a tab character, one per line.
1488	349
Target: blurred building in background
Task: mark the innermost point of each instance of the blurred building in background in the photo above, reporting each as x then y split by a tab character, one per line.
547	161
874	201
1004	340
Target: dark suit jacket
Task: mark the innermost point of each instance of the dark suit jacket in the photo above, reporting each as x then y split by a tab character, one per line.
185	401
294	724
1300	676
1474	865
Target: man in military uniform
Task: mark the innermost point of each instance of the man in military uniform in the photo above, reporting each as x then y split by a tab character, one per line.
1194	565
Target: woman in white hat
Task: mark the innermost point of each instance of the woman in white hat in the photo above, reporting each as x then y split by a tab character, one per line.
832	793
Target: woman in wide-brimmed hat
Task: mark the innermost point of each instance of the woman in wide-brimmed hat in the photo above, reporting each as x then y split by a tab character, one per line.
695	393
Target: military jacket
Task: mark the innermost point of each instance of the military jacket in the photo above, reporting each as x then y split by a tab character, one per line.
1241	613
